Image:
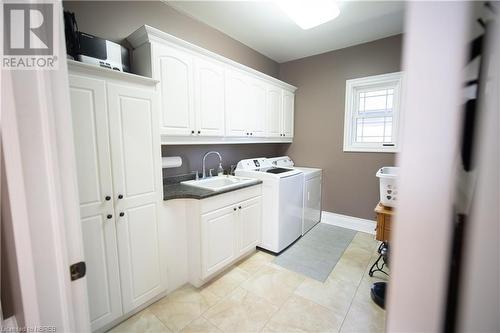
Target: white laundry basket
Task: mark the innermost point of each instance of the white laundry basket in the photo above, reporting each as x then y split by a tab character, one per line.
388	186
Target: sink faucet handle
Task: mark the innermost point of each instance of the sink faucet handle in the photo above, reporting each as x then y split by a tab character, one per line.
196	174
210	172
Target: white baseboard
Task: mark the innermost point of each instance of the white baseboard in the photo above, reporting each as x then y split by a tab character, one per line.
349	222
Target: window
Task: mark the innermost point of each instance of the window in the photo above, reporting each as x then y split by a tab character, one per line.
372	113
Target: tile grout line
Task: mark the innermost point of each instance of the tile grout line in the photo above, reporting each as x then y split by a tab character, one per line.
354	296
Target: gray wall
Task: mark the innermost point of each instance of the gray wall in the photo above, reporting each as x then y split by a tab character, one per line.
115	20
349	184
231	154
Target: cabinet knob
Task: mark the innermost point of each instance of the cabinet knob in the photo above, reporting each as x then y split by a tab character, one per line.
239	207
107	198
247	133
234	208
251	133
192	132
122	214
109	216
120	196
199	132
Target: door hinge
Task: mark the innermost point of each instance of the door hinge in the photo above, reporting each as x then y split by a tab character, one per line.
77	270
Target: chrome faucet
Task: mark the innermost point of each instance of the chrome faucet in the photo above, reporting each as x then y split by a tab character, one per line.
204	175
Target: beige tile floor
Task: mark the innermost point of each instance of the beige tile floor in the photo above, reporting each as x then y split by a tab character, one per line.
256	295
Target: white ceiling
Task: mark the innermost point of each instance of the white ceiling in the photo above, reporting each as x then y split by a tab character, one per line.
262	26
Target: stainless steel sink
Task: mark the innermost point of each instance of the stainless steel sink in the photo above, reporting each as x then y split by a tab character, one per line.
218	183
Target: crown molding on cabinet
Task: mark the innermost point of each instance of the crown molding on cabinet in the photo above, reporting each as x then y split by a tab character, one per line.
147	33
109	73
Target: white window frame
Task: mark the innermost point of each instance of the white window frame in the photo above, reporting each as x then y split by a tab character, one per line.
390	80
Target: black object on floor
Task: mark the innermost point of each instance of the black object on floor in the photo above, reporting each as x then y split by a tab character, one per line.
378	293
382	261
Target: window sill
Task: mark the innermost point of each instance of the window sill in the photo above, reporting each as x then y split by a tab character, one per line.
392	150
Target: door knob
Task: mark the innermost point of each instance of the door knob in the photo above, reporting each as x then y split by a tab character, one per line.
109	216
122	214
107	198
120	196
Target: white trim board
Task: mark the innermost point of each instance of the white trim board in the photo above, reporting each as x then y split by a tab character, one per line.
349	222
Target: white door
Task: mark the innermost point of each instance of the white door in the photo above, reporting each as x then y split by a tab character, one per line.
288	108
237	92
257	108
250	221
274	111
218	233
209	98
174	70
312	203
91	135
136	157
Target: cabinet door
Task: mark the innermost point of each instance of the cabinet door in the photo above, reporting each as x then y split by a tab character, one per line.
91	136
249	225
237	92
257	108
209	98
288	110
136	157
274	111
174	69
218	239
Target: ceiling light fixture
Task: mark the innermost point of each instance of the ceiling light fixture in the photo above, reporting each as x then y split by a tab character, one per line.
308	14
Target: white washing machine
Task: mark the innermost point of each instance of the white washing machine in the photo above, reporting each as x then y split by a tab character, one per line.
282	201
312	179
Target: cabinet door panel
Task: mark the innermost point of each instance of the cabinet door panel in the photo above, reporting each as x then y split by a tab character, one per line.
274	111
136	157
103	279
93	162
91	135
288	113
218	230
139	249
209	101
250	221
237	92
175	72
136	153
257	109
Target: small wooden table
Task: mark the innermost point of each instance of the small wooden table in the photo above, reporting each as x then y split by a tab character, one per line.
384	222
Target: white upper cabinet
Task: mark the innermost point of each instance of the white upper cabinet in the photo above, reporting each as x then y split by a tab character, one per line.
210	97
175	73
257	108
206	98
237	87
288	108
274	111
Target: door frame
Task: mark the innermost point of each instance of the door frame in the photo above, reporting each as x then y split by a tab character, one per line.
40	165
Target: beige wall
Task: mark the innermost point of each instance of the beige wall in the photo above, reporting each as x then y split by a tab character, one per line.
115	20
349	184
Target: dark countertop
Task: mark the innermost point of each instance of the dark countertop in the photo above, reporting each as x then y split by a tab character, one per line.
173	189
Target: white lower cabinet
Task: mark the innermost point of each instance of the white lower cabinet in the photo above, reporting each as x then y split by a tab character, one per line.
218	231
222	229
115	125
